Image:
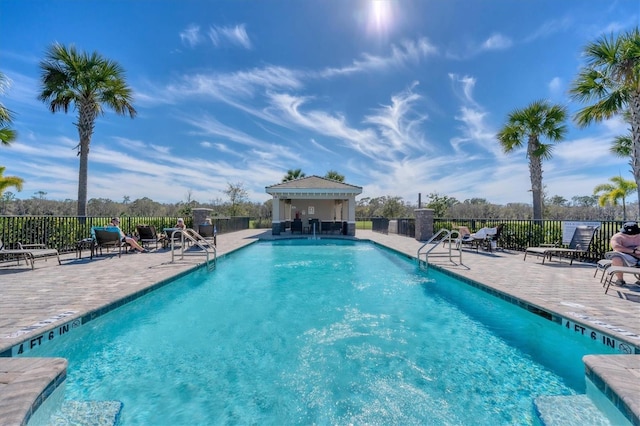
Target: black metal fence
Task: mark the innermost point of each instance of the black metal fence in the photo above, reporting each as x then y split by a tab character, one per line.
516	234
62	232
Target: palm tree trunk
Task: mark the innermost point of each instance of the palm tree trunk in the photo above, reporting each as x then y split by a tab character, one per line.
634	109
535	171
86	120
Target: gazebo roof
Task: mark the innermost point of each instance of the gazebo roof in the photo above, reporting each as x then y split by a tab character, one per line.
312	187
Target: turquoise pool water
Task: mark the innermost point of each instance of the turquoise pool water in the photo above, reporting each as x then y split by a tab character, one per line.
317	332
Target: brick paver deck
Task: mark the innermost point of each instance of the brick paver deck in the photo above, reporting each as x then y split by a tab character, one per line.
33	303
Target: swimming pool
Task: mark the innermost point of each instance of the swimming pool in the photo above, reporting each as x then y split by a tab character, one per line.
301	332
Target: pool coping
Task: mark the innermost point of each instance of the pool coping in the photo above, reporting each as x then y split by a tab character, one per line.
607	376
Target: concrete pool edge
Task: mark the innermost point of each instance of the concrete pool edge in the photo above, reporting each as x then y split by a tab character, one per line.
632	360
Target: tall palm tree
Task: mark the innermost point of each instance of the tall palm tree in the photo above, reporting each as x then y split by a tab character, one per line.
7	135
610	81
293	175
9	181
611	193
539	119
88	81
332	174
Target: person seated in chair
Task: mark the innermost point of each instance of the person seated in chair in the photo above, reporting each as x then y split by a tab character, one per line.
626	248
180	224
125	239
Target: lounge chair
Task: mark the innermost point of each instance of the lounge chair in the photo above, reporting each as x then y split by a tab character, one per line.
148	235
611	271
483	237
29	252
172	235
106	237
207	232
579	245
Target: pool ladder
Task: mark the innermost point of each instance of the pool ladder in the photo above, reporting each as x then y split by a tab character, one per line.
444	236
190	235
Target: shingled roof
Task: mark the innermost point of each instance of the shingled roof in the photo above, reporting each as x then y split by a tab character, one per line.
313	185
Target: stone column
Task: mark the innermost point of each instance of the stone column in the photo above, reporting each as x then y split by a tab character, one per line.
424	224
275	216
351	216
198	215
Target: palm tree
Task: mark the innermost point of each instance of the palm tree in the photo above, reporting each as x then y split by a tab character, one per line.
332	174
9	181
293	175
7	135
539	119
611	193
88	82
611	80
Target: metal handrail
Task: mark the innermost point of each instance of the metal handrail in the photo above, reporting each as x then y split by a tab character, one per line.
196	239
447	237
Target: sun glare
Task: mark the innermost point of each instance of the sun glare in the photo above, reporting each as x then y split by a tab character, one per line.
380	18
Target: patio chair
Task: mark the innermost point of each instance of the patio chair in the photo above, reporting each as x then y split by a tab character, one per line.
484	237
579	245
29	252
172	235
148	235
207	232
104	237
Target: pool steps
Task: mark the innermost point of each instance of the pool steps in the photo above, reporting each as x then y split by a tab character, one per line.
570	410
88	413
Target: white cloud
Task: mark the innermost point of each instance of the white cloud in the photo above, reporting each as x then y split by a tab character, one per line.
409	51
497	42
191	35
235	35
555	86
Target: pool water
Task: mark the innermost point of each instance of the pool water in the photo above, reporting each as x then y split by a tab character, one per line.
321	332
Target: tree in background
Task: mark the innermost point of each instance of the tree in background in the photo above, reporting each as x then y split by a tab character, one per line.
88	82
440	204
610	81
237	195
333	175
7	134
538	120
293	174
9	181
611	193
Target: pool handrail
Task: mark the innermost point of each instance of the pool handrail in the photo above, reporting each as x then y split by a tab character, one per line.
197	239
445	235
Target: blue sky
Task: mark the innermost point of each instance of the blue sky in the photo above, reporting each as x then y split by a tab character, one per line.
401	97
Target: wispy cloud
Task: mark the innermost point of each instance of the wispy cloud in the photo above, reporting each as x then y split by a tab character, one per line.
237	35
219	36
409	51
555	87
549	28
474	128
497	42
191	35
399	124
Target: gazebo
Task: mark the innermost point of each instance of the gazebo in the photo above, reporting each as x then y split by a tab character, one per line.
301	204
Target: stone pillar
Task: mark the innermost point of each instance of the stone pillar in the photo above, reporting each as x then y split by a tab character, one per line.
198	215
275	216
351	216
424	224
